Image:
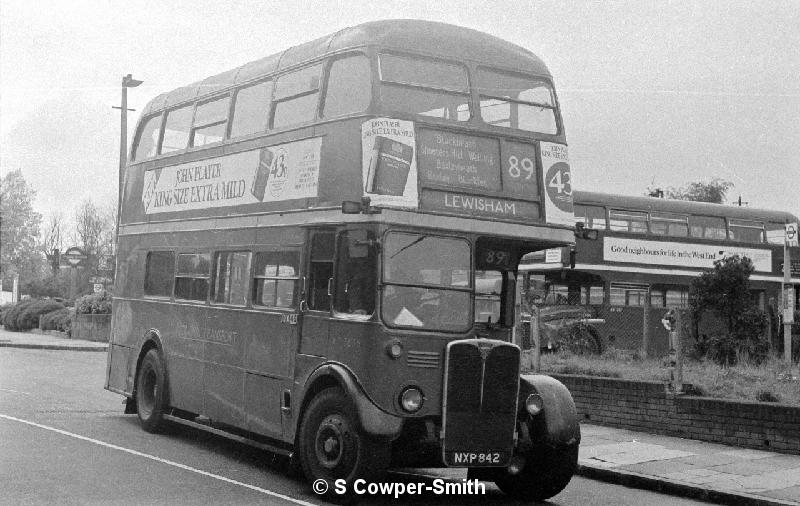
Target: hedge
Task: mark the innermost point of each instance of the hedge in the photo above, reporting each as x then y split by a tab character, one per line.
25	315
60	319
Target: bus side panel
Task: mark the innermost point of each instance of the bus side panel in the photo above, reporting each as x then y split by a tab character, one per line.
119	358
181	328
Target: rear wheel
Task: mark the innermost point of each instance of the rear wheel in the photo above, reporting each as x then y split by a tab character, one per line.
151	392
332	445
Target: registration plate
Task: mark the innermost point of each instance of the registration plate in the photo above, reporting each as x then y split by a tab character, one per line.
477	458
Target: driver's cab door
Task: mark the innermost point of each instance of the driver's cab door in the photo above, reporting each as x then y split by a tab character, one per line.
316	304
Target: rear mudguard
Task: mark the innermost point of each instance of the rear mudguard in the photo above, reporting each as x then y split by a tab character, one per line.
373	420
557	425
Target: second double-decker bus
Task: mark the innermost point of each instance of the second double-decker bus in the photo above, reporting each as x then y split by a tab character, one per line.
648	251
304	240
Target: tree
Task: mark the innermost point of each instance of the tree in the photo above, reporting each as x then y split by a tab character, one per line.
52	238
94	234
94	229
725	289
19	230
713	191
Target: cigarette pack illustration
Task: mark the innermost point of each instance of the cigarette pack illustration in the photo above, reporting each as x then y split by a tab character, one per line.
389	166
259	186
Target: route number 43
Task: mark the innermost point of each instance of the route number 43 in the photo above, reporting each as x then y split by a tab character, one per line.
560	182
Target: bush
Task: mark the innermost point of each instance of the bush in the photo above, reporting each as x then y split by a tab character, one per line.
95	303
26	314
4	308
60	319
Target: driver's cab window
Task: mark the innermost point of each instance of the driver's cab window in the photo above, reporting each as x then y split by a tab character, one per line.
488	296
356	273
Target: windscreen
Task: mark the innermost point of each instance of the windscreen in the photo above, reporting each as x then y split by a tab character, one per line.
427	282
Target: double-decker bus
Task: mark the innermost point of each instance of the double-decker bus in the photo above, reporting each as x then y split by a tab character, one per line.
299	248
648	251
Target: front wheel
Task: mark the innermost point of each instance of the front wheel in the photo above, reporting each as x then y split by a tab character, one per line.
332	446
546	472
151	392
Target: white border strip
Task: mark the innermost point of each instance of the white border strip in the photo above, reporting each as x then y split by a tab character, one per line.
646	270
159	459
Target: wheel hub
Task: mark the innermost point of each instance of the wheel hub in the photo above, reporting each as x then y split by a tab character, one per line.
330	441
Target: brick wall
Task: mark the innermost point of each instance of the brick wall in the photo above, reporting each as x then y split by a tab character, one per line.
646	407
92	327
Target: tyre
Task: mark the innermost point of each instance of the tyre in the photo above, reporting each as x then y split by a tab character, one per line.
151	392
546	472
582	340
332	445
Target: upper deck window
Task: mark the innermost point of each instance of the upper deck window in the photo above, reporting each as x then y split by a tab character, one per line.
296	95
707	227
591	216
176	130
147	138
628	221
349	87
515	101
210	121
746	231
676	225
425	87
776	232
251	109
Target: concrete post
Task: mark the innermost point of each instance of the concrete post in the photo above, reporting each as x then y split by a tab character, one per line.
678	345
536	341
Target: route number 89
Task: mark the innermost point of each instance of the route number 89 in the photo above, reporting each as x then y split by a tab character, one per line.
516	167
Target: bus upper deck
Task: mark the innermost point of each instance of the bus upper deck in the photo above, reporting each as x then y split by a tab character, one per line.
413	115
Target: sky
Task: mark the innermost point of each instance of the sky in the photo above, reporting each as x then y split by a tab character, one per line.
654	93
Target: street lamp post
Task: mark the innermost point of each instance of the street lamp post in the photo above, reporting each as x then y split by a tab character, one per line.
127	82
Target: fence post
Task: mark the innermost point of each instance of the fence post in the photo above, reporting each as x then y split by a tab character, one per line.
645	326
536	339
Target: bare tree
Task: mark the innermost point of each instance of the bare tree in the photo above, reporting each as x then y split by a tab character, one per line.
91	228
52	234
52	238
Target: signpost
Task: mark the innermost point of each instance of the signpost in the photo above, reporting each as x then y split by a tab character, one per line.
791	235
74	257
788	291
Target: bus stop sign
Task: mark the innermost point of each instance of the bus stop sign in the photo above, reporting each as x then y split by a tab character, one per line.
791	234
74	256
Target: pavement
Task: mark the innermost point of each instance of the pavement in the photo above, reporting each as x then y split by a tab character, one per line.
47	340
689	468
671	465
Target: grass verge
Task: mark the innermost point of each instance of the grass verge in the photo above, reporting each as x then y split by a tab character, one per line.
771	381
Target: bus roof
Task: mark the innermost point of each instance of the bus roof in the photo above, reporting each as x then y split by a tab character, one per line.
425	37
642	203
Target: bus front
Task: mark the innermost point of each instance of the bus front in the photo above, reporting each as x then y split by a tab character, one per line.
465	170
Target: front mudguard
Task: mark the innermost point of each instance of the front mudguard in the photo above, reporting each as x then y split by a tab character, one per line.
373	420
557	426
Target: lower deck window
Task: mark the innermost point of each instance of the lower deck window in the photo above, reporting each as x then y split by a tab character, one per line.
275	278
192	279
158	273
627	294
230	277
